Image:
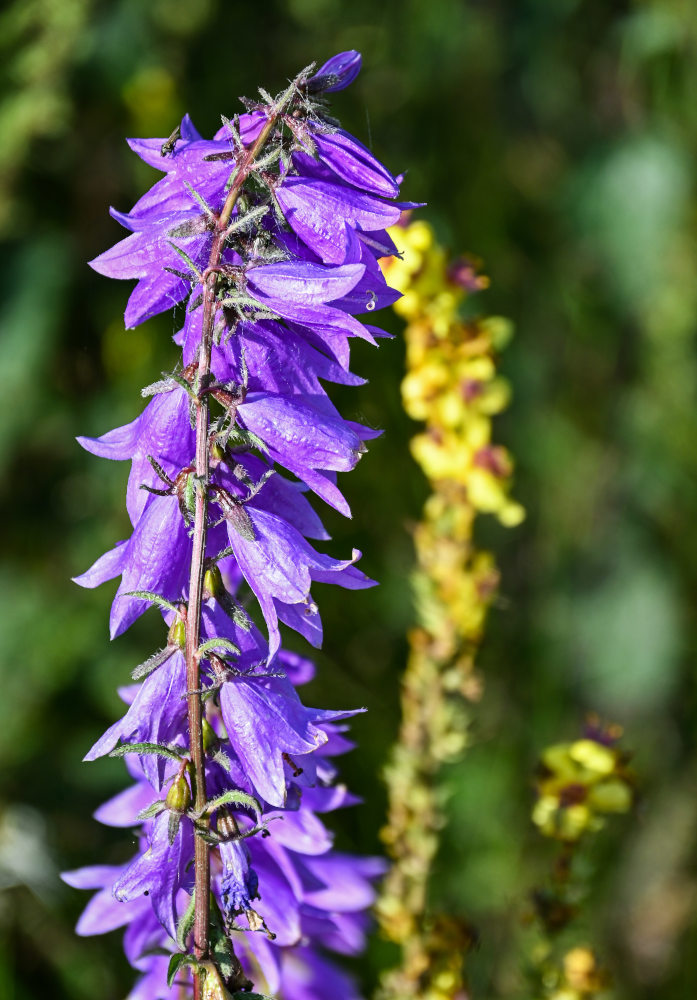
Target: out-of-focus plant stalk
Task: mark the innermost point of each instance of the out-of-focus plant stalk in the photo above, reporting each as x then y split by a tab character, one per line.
453	386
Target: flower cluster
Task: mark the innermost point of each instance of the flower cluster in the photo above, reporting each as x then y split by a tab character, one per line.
269	236
579	782
452	384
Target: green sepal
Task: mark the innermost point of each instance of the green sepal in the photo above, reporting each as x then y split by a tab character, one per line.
208	836
242	222
217	644
185	257
176	962
155	388
147	595
186	922
222	758
190	485
239	519
247	439
173	826
236	797
145	668
234	610
154	809
200	199
182	382
158	749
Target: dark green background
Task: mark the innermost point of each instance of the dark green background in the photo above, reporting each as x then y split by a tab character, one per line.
555	139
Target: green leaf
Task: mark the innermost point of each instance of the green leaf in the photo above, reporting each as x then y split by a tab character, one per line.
158	749
177	962
220	947
186	922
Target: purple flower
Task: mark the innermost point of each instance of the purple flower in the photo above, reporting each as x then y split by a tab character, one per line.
270	234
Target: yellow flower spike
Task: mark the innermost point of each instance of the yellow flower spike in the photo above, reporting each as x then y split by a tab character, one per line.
452	385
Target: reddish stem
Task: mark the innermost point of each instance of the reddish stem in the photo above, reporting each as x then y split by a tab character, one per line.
193	622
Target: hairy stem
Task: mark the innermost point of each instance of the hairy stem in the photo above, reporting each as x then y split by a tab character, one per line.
193	629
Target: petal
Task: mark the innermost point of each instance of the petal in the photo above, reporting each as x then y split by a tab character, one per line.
105	568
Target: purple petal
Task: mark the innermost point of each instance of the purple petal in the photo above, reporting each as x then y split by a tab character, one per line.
105	568
355	164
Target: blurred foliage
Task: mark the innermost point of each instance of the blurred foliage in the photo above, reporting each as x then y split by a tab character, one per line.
556	141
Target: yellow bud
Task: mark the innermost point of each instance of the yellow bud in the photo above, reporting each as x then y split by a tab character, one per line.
594	756
494	398
556	759
485	491
511	514
212	985
499	329
544	812
613	796
574	821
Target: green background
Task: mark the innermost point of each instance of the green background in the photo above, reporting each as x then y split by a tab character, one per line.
556	140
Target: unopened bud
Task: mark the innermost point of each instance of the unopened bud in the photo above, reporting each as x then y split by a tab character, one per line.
179	796
212	582
177	633
210	737
217	452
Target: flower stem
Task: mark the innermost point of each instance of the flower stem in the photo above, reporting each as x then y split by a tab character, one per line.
193	629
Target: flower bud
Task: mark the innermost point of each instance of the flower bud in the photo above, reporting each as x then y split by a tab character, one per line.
179	796
177	633
611	796
210	737
212	582
594	756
